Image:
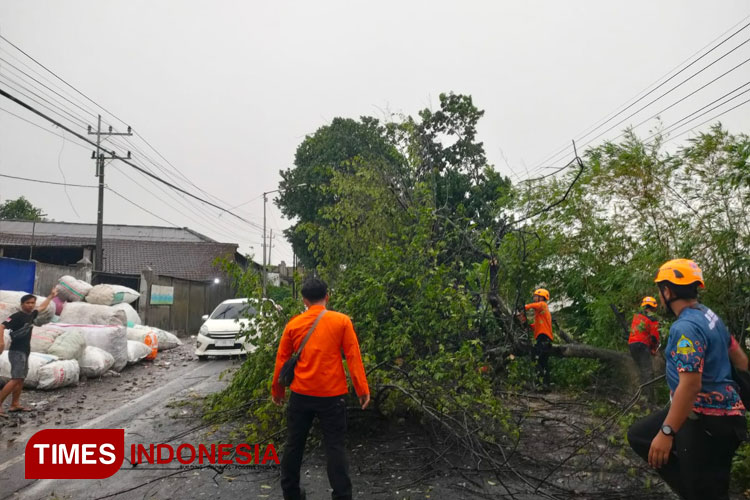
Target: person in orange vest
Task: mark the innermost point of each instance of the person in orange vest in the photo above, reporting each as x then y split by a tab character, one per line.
319	388
644	340
542	329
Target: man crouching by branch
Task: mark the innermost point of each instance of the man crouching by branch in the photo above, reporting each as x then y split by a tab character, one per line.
318	337
692	443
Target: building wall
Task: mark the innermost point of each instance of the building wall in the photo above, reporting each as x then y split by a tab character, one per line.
48	274
192	299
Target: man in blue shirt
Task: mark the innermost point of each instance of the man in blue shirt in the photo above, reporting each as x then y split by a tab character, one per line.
692	443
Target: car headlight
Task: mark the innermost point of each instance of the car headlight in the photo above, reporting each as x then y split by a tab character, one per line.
203	330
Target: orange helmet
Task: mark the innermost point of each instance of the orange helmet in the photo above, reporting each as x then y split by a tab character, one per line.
542	293
680	272
649	301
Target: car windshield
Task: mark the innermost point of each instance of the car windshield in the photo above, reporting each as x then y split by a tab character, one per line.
233	311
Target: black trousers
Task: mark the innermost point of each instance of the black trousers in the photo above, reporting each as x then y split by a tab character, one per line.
641	354
542	349
331	413
701	458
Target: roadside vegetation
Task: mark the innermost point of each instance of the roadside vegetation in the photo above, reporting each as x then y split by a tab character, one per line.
431	252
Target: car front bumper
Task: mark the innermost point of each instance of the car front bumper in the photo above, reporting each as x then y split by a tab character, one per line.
209	346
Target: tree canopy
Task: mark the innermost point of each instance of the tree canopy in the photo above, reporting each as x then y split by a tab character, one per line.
432	252
20	209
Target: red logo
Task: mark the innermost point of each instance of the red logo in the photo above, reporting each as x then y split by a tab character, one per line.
187	454
100	453
75	453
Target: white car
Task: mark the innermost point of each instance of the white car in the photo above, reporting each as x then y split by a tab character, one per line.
218	335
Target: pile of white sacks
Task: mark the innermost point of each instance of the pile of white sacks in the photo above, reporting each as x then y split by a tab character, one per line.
86	331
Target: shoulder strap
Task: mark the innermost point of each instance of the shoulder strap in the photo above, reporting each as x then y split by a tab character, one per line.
309	332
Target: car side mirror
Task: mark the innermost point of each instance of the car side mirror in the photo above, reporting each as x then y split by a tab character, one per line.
204	317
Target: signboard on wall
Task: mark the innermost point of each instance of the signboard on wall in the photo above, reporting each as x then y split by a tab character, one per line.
162	295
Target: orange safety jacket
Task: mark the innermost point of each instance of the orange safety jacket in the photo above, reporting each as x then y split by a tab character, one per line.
320	371
542	319
644	329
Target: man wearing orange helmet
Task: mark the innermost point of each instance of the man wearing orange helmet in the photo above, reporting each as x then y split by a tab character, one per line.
542	333
693	442
644	339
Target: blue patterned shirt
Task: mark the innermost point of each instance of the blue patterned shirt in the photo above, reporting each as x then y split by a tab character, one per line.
699	342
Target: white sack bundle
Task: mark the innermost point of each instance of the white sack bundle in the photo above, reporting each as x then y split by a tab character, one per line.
130	314
6	309
111	338
36	361
109	295
166	340
147	337
58	374
71	289
42	337
95	362
81	313
137	351
69	345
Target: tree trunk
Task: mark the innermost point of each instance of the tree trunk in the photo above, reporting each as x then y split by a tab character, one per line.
621	363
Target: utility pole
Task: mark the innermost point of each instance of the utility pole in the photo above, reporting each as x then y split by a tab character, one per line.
99	157
33	232
270	246
265	200
294	275
265	263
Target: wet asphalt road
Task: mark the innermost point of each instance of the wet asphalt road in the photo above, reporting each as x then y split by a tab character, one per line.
141	401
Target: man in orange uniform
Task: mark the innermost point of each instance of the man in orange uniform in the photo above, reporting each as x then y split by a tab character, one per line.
319	388
644	340
542	333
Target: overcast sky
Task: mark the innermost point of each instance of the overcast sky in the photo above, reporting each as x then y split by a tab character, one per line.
226	90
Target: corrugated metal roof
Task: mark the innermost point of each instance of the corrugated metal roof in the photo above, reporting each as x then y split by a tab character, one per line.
110	231
180	259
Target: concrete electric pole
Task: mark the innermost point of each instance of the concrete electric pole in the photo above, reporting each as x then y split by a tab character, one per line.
99	157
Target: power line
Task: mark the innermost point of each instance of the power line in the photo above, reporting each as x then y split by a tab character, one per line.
693	93
213	222
654	89
169	174
127	140
38	100
61	79
183	213
127	162
98	105
83	120
40	181
131	144
108	188
711	119
16	68
70	96
40	93
607	117
676	124
175	168
140	207
42	128
673	88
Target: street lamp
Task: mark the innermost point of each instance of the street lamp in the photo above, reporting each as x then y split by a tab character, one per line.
265	200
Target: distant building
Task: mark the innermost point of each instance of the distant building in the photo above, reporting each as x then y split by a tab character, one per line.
134	256
128	250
